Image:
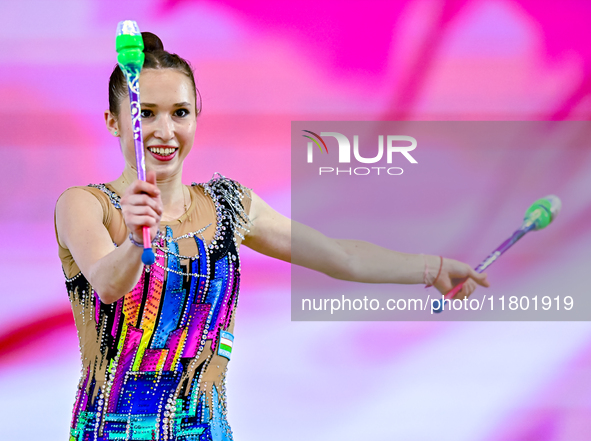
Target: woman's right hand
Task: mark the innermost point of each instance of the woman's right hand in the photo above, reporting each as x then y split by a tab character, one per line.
141	206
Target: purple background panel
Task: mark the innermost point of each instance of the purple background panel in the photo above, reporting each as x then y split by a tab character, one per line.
461	192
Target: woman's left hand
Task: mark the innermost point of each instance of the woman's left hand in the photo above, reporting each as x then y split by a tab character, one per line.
453	273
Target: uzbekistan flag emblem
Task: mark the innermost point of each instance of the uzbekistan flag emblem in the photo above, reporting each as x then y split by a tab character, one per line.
226	342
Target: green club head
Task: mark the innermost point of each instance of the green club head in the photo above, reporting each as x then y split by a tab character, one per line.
130	46
543	211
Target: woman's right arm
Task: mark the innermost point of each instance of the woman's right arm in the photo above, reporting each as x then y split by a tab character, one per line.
112	271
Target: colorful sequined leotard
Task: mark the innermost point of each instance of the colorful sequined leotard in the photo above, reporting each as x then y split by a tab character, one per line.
154	362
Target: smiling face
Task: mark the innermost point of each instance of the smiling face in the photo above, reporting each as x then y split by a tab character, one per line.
168	122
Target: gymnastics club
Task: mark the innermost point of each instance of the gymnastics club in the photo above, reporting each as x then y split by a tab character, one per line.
130	56
538	216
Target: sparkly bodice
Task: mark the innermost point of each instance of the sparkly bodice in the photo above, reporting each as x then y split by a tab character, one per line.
154	362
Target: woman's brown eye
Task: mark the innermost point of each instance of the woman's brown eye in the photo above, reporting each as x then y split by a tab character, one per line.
146	113
182	112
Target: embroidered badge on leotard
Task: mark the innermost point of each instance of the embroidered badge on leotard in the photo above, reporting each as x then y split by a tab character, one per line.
226	343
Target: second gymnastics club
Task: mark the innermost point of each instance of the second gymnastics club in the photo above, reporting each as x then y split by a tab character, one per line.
130	56
538	216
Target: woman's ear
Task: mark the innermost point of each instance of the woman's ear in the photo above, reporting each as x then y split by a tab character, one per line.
112	124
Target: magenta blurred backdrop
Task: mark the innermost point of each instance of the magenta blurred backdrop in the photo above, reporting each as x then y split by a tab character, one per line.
259	65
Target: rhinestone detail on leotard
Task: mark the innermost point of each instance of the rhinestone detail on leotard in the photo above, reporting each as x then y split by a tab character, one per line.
148	358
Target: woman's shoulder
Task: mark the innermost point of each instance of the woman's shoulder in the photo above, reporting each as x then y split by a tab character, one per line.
80	198
231	193
225	187
76	195
84	200
218	178
221	187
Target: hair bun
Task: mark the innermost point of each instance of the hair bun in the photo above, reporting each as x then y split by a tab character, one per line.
151	42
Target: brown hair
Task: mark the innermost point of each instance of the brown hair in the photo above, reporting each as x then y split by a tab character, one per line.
155	58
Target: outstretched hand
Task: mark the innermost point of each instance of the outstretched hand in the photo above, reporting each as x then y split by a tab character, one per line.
453	273
141	205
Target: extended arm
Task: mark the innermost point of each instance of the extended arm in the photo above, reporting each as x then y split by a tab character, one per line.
112	271
277	236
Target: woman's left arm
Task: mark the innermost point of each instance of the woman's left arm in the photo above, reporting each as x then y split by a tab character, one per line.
273	234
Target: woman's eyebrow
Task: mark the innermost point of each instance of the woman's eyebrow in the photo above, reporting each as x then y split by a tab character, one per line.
183	104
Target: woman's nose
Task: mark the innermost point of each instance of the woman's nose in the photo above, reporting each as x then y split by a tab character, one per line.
164	129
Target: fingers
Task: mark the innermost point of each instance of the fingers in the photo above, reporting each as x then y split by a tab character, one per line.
137	217
480	278
143	211
142	206
455	273
459	270
470	285
151	177
144	187
143	221
143	200
467	289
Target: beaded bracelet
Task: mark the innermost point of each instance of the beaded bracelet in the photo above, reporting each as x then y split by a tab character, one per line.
141	245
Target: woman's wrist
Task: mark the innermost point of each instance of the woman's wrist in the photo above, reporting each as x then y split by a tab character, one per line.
140	243
433	268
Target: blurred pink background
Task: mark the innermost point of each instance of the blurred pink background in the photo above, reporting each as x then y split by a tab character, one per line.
259	65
